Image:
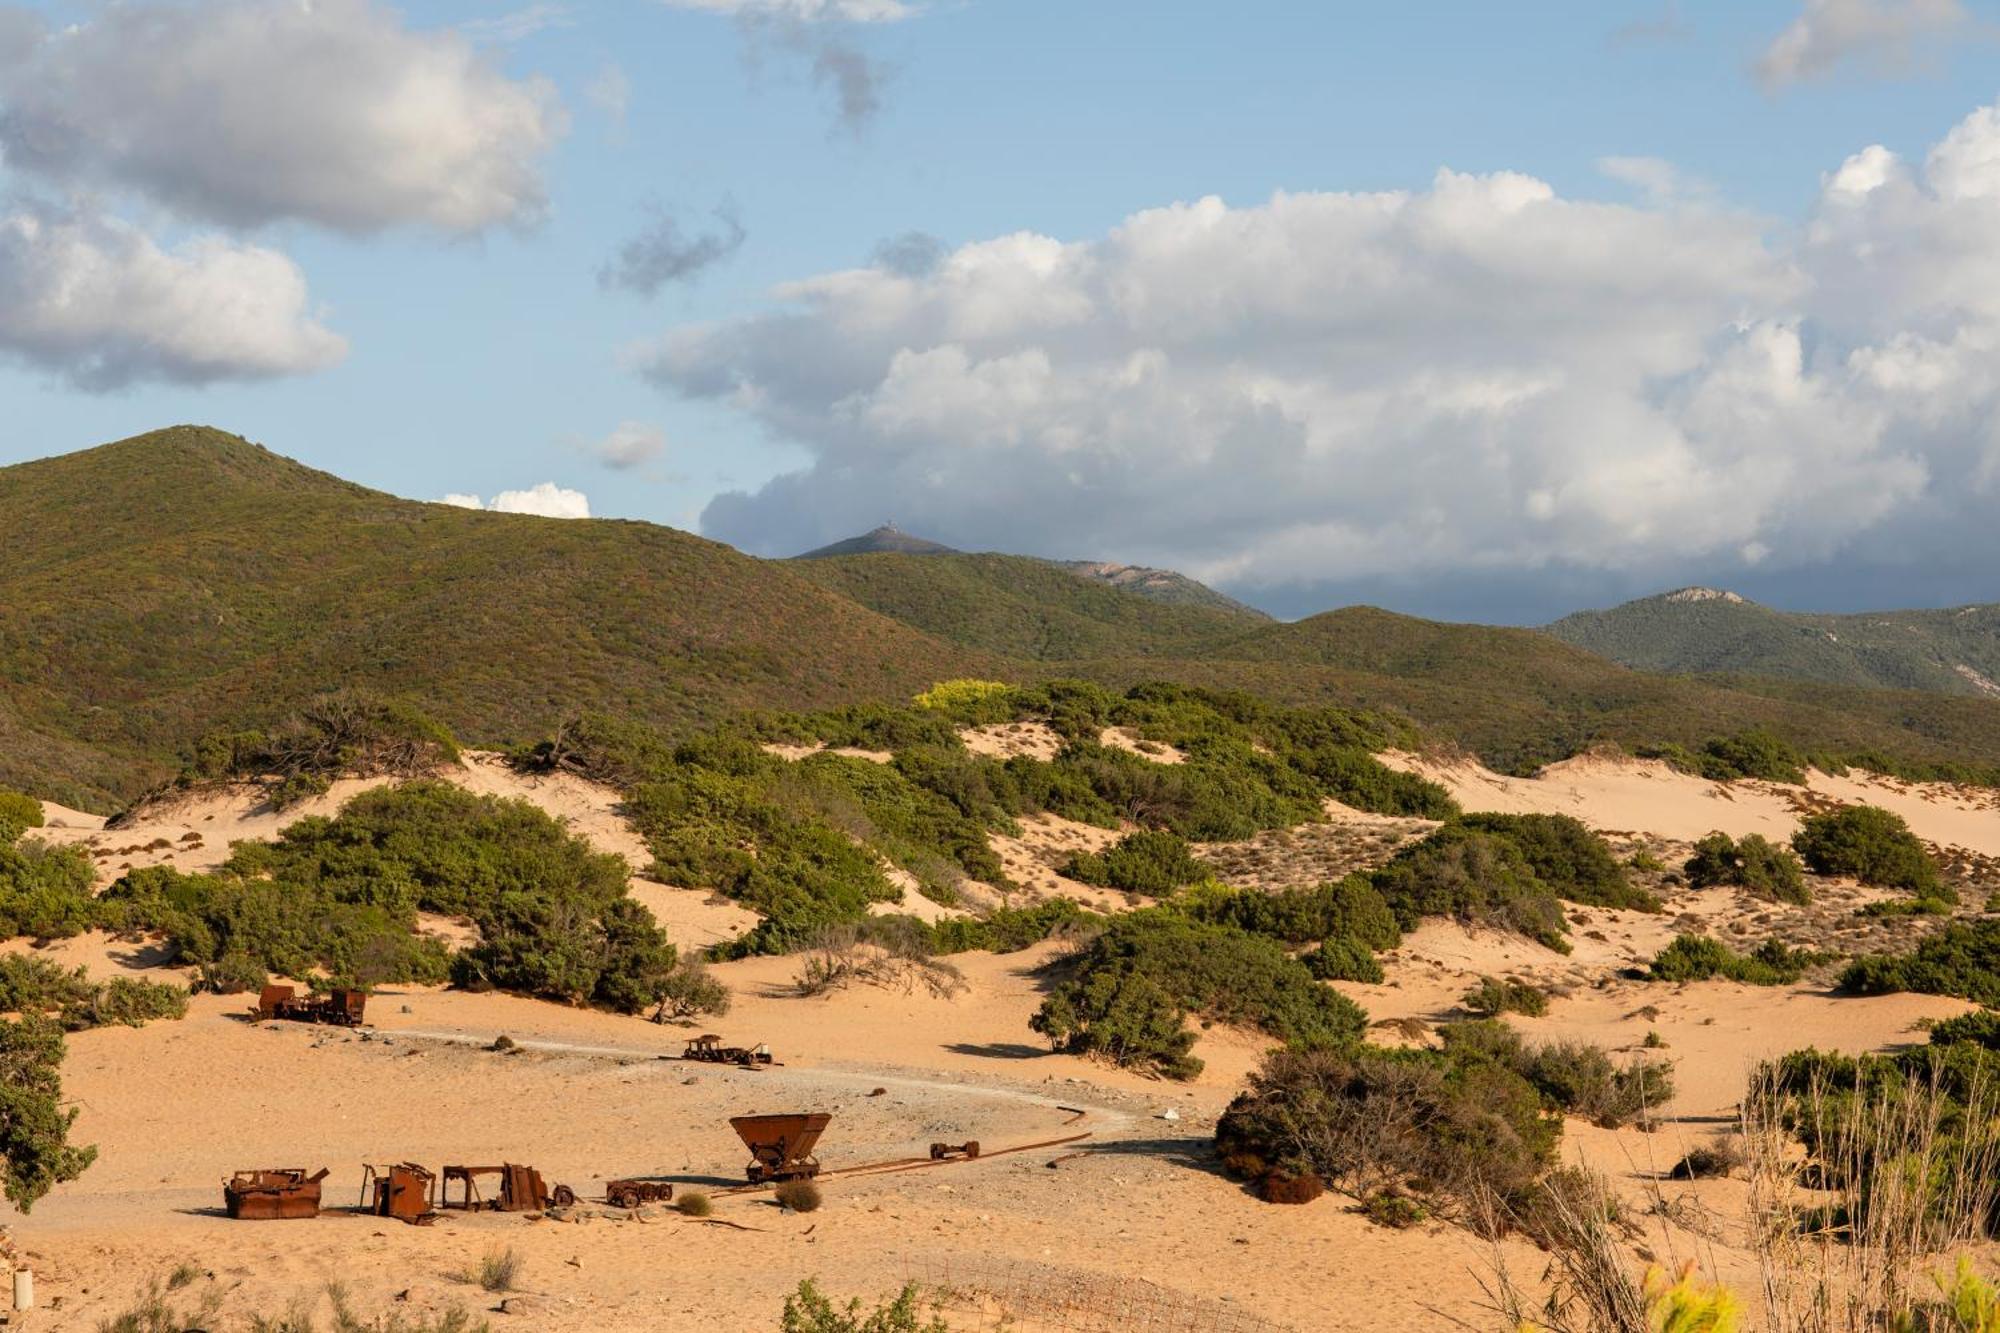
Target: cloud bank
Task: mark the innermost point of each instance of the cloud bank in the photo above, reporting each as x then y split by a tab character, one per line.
243	112
1470	381
96	301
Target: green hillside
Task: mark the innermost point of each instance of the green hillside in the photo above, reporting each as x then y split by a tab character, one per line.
1703	631
1027	608
186	582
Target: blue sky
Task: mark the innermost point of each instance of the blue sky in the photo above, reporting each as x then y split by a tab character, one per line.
435	353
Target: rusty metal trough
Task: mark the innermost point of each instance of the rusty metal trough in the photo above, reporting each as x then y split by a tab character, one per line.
402	1190
522	1190
342	1006
781	1145
272	1193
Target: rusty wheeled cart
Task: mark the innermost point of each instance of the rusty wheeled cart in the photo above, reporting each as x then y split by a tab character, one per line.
272	1193
635	1190
709	1047
521	1190
945	1151
781	1145
341	1006
402	1190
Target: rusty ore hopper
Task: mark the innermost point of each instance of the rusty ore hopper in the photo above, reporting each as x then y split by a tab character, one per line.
781	1145
342	1007
277	1192
518	1189
402	1191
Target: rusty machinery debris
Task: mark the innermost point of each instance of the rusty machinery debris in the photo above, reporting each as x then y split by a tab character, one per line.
402	1190
943	1151
709	1047
340	1006
633	1191
780	1145
521	1190
274	1192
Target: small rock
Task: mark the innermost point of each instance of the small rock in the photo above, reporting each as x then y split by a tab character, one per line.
1170	1114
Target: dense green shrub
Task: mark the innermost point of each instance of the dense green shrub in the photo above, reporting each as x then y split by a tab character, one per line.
1494	996
1148	862
1755	863
1963	959
1872	845
34	1125
1565	855
1456	1128
971	703
1981	1028
1473	876
342	895
1573	1077
18	814
1344	959
1350	908
36	986
1698	958
1127	994
44	890
1007	929
1752	754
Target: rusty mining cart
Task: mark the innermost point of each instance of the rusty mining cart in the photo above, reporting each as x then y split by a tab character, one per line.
341	1006
780	1145
709	1047
633	1191
402	1191
521	1190
275	1192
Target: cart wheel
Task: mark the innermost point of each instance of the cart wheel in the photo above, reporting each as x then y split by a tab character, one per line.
627	1199
563	1197
972	1148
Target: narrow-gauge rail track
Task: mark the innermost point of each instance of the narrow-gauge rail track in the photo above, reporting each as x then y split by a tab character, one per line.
898	1165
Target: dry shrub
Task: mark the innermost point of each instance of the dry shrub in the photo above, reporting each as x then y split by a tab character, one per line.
893	952
800	1196
1901	1163
694	1204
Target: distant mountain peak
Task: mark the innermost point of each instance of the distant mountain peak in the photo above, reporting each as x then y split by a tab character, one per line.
887	538
1698	594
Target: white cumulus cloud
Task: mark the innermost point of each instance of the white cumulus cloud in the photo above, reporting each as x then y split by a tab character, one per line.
97	301
1884	35
1477	379
246	112
544	499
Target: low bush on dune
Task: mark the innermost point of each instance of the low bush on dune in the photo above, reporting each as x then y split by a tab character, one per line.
1746	754
807	1310
801	1196
1873	846
34	1121
18	813
1127	996
1007	929
1981	1028
1699	958
1471	1129
1962	959
44	890
1494	996
1755	863
1344	960
36	986
1350	908
1510	871
1148	862
332	736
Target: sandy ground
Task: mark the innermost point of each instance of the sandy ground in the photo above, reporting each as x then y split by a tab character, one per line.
176	1106
1124	738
